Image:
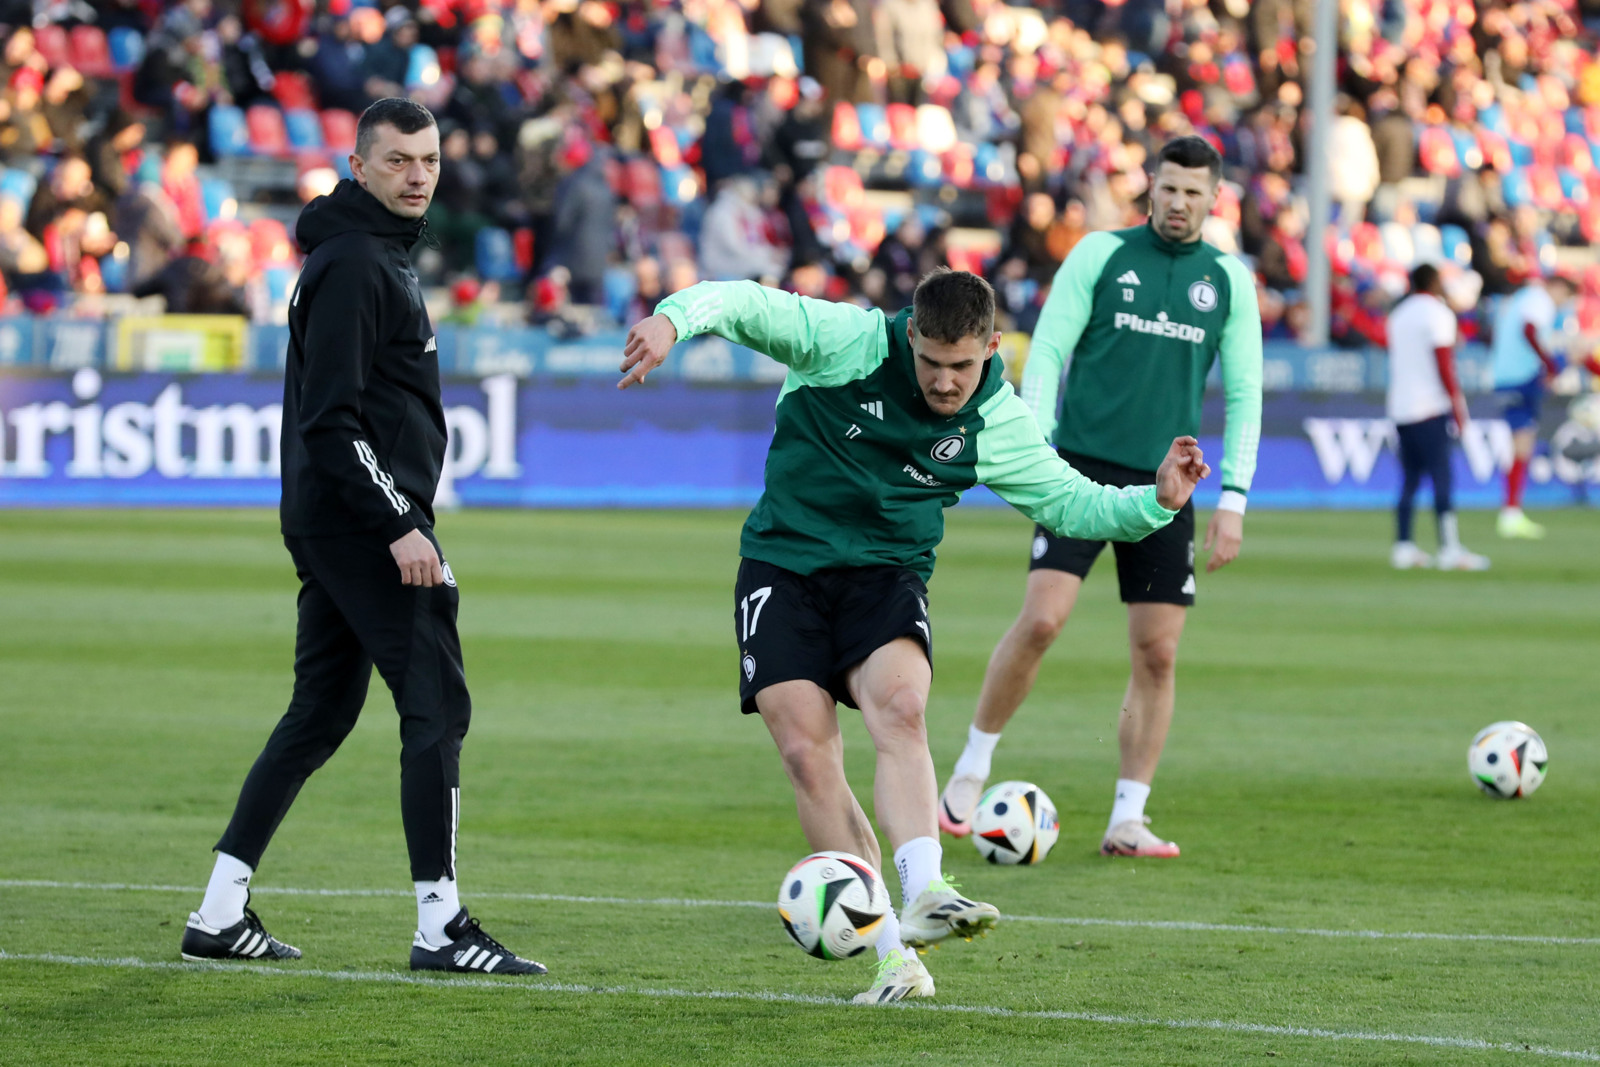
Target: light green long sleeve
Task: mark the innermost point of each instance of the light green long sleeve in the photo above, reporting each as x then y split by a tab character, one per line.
1024	471
1061	323
822	343
1240	355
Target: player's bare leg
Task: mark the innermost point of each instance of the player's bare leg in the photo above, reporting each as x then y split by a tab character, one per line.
1013	669
1512	522
891	686
1154	631
804	723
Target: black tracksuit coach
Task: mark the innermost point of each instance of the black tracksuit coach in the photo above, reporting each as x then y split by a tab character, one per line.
363	441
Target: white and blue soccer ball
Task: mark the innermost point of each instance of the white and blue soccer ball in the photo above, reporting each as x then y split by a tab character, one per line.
1015	823
832	904
1507	760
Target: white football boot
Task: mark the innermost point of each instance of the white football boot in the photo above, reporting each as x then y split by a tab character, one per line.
1405	556
1132	837
940	912
900	975
957	803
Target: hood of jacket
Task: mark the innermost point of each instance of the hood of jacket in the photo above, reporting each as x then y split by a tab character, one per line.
350	208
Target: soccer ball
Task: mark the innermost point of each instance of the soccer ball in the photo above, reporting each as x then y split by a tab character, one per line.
833	904
1015	823
1507	760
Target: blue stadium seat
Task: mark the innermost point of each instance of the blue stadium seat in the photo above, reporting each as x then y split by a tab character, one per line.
1455	245
1516	189
1573	120
1571	185
619	286
305	129
496	258
341	165
19	184
1493	119
986	165
219	199
1428	242
229	135
114	272
961	60
127	48
923	169
874	124
1521	154
677	183
422	67
279	281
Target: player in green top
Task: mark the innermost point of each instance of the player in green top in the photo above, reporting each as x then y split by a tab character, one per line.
1134	322
881	423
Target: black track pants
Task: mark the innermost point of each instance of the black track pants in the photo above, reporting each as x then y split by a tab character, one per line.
355	614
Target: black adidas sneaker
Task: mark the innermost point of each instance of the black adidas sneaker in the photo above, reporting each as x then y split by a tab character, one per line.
246	939
470	951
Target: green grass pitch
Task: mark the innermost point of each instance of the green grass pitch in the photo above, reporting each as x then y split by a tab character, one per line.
1316	779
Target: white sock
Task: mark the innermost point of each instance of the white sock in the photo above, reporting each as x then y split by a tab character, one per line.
1449	533
976	756
889	936
437	904
1129	804
918	862
226	893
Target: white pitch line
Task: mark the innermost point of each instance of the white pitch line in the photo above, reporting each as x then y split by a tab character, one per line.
539	985
683	902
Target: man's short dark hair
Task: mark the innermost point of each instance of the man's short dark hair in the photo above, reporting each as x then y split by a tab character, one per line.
1191	151
1424	277
952	305
407	116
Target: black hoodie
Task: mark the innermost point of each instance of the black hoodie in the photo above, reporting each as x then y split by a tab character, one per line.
363	426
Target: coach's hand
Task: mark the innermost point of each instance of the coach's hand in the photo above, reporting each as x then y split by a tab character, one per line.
418	560
648	344
1224	535
1180	472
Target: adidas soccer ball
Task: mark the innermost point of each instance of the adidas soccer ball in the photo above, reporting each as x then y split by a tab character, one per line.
833	904
1507	760
1015	823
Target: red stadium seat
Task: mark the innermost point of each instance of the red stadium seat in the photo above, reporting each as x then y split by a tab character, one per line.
1496	153
268	134
641	182
664	146
293	90
269	242
90	52
902	126
51	41
1438	152
522	248
339	131
841	187
846	127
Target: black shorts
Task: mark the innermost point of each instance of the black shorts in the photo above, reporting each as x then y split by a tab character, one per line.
816	627
1157	570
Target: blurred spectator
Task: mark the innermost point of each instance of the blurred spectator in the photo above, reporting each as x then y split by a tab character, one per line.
20	251
145	218
336	65
899	263
1354	163
469	300
384	64
26	132
1027	252
648	290
910	41
800	143
582	236
70	187
839	47
735	241
193	284
246	75
116	151
181	183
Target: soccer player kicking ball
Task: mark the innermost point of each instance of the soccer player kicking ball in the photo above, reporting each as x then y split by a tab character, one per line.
1135	318
363	440
1524	363
881	423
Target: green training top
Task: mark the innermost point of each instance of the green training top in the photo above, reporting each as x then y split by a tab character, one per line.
861	469
1135	322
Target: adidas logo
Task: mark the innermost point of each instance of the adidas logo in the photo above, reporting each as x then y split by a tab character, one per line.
242	881
432	898
432	345
873	408
1128	278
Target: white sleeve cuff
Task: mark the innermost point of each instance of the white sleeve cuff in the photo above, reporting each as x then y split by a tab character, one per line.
1232	500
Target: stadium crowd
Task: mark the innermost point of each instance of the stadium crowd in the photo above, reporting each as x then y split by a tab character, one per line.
599	154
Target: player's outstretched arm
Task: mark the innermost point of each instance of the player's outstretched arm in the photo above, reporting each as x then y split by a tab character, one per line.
1180	472
646	349
824	343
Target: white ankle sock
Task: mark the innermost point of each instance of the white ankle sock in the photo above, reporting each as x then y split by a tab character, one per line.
918	862
437	904
979	751
1449	533
1129	804
889	936
226	893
